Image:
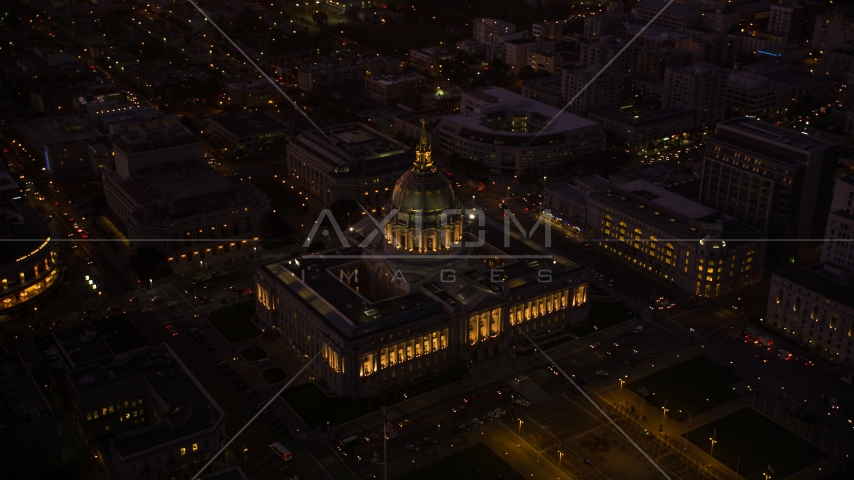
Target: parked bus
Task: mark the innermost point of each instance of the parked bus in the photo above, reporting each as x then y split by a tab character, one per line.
348	445
282	451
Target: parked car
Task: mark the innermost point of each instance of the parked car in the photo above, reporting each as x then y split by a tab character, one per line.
412	447
156	298
477	421
522	401
405	423
262	362
430	440
458	408
502	391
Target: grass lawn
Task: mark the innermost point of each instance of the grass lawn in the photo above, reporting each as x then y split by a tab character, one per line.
693	386
253	354
316	408
233	322
477	462
753	441
274	375
604	315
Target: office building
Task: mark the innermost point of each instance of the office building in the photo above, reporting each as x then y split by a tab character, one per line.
652	62
605	90
361	164
312	76
169	199
713	48
700	88
518	52
551	62
787	20
661	175
811	307
677	18
837	61
119	119
546	90
838	247
702	252
754	95
551	29
28	261
418	297
600	24
391	89
430	59
29	435
566	203
605	48
720	21
409	125
639	127
501	130
772	178
248	135
834	28
60	143
145	414
251	94
490	30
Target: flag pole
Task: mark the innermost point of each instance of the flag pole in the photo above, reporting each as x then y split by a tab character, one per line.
385	460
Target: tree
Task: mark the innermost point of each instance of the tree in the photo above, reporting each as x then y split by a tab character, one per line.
321	19
148	263
276	226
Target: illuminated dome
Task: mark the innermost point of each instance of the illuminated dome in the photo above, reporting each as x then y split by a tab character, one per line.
423	198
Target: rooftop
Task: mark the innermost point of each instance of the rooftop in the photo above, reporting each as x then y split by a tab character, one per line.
7	182
155	139
49	131
499	106
98	340
353	145
750	129
178	191
673	214
656	173
551	84
395	78
814	278
639	117
23	401
248	124
189	409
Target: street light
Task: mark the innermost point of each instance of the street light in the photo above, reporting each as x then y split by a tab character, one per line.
520	427
664	415
255	250
151	283
712	449
201	267
622	382
559	459
37	314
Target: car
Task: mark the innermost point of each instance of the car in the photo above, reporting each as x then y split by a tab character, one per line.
194	330
371	437
134	299
520	378
477	421
200	338
430	440
596	345
189	290
602	373
502	391
554	370
89	261
70	219
146	310
221	363
522	401
413	447
205	300
761	358
262	362
610	282
500	411
249	392
377	461
156	298
208	347
465	426
611	351
404	423
468	399
458	408
492	414
172	303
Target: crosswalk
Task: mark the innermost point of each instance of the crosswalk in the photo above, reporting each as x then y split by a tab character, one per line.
530	391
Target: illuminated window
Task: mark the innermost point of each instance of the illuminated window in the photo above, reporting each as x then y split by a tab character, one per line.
195	447
183	451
